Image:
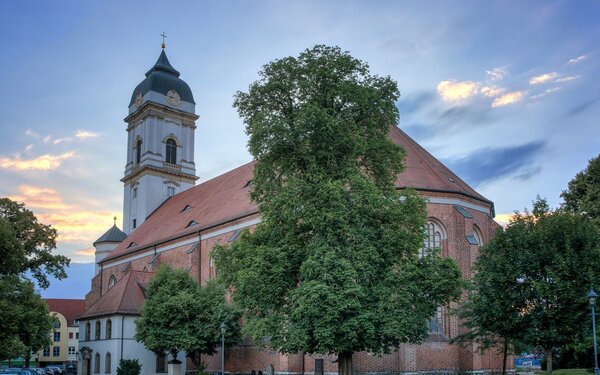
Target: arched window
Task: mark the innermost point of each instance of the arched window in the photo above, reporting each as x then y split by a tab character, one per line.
108	334
97	363
477	235
434	234
107	360
88	328
97	333
112	281
171	154
435	325
138	151
56	323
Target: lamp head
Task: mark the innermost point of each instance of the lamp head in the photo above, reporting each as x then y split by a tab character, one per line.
592	297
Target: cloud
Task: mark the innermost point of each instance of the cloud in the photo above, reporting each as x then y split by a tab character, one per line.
543	78
454	91
37	197
491	91
567	79
496	74
28	148
86	252
61	140
32	133
503	219
581	108
577	59
73	222
545	92
41	163
506	99
84	134
490	164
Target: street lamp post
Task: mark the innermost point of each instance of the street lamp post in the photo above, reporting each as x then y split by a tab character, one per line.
223	349
592	297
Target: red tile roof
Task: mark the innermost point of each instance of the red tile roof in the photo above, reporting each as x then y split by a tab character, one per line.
69	308
225	197
424	172
126	297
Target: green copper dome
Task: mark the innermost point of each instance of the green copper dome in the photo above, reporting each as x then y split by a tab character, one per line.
162	78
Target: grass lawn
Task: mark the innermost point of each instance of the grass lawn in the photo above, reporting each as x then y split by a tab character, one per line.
567	371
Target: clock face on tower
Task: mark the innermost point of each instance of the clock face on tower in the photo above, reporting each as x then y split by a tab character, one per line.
173	97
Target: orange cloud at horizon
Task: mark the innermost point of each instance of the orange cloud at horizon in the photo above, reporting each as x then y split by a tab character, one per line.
75	224
86	252
43	162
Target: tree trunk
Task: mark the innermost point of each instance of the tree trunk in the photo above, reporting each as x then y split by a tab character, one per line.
27	359
345	363
504	356
549	361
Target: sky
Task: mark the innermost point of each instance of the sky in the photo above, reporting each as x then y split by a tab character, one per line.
505	93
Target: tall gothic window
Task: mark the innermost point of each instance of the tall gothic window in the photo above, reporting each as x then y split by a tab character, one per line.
108	333
87	331
433	239
435	325
97	331
97	363
112	281
138	151
171	151
107	364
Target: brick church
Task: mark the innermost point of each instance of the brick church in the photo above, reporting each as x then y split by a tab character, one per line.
168	219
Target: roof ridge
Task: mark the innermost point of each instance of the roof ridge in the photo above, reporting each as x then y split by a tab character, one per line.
419	150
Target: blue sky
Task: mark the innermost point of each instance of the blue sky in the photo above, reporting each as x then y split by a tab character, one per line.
505	92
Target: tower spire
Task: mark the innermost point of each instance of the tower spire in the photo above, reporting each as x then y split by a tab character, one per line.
163	45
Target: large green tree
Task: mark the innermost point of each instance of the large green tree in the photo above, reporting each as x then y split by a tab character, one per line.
179	315
532	280
26	321
583	192
26	245
332	267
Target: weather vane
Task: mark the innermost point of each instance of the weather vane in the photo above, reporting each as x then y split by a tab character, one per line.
163	45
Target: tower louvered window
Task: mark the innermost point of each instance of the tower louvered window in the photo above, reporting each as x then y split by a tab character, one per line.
138	151
171	154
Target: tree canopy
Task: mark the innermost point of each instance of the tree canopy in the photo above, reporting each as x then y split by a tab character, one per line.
26	245
532	280
332	267
180	315
583	192
25	321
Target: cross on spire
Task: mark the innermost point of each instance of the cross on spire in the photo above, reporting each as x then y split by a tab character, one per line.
163	45
115	219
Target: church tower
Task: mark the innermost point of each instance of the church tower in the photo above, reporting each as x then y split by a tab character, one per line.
160	142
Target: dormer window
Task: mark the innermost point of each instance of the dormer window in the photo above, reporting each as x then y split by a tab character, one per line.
138	151
131	244
171	152
191	224
186	208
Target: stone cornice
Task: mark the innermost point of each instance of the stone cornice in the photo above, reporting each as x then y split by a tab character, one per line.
151	109
157	171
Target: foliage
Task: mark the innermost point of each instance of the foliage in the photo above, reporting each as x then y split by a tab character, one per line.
180	315
25	319
332	267
129	367
26	245
533	277
583	193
